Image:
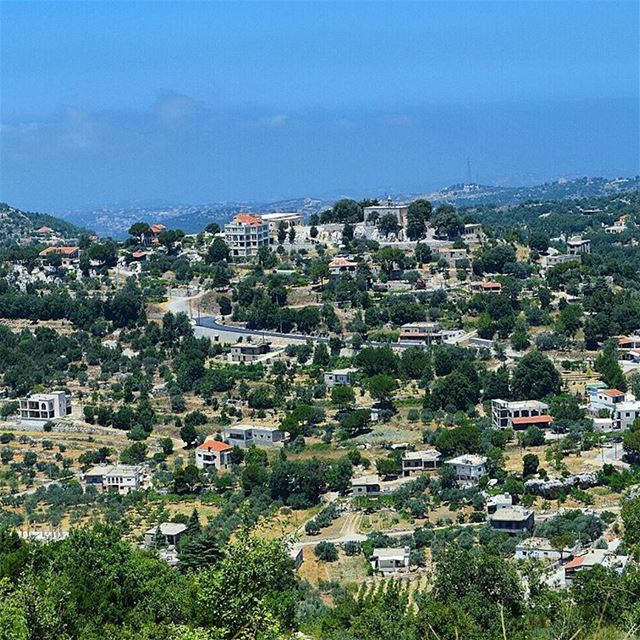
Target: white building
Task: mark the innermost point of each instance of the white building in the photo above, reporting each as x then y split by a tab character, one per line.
419	461
499	502
622	408
122	478
554	258
469	467
287	219
45	406
245	234
450	255
338	377
519	415
212	453
542	549
244	435
390	559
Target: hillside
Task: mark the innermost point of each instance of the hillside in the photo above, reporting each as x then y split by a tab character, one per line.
16	225
115	220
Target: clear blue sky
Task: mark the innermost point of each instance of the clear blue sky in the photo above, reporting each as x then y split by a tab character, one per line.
201	101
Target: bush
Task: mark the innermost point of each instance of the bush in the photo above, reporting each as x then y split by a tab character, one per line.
326	551
352	548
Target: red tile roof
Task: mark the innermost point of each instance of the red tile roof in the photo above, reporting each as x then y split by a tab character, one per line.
532	420
612	392
157	228
214	445
67	251
245	218
576	562
44	230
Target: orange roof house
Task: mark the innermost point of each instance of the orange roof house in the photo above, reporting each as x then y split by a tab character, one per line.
43	230
67	252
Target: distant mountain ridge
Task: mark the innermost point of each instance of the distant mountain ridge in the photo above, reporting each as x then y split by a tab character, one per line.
16	225
115	220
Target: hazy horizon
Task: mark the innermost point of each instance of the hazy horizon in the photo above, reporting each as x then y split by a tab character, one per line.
202	102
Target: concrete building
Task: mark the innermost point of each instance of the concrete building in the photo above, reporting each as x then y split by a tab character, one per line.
68	254
542	549
45	406
554	258
296	553
288	219
473	232
421	332
373	214
212	453
420	461
122	478
622	408
166	534
366	486
469	467
390	559
244	435
249	351
577	246
500	501
338	377
512	520
519	415
450	255
245	234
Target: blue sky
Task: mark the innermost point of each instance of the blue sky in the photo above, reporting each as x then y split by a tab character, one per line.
203	101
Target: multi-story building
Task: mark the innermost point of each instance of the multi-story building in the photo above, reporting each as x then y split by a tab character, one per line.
519	415
488	286
419	461
122	478
421	332
469	467
213	453
45	406
622	408
577	245
244	435
245	234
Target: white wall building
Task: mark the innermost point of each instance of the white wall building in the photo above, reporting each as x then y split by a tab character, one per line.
469	467
622	408
122	478
373	214
212	453
245	234
390	559
244	435
45	406
338	377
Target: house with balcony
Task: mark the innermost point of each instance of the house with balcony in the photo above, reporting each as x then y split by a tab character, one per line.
426	333
246	234
213	453
244	435
519	415
120	478
366	486
469	467
166	534
622	408
420	461
249	351
45	406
